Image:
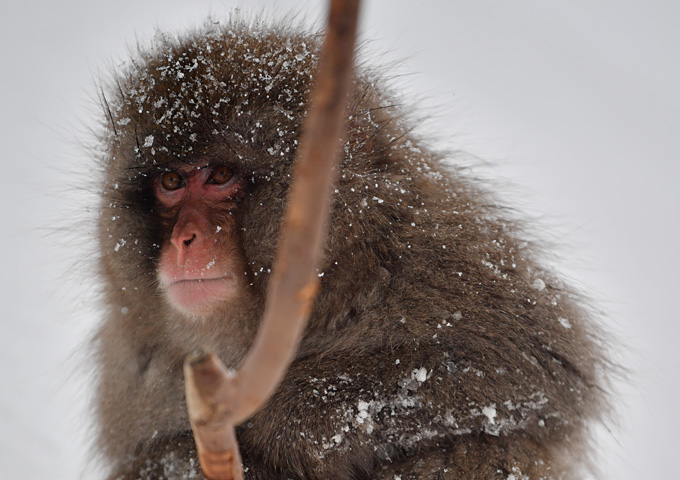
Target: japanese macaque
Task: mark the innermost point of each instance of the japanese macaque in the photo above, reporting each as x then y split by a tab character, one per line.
438	347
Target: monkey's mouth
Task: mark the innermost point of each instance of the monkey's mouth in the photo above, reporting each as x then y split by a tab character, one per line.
199	295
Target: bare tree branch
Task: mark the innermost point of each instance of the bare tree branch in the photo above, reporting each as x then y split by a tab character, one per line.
210	392
217	400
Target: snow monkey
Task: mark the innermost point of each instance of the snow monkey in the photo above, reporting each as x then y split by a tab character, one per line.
439	347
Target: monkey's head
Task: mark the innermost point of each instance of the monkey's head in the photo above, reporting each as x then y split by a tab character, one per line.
201	136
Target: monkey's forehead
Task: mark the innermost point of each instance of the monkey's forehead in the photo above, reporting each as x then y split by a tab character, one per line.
246	86
237	94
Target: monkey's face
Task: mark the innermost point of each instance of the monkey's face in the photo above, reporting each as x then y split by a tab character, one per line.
201	264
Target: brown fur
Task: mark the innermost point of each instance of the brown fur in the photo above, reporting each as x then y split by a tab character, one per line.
438	347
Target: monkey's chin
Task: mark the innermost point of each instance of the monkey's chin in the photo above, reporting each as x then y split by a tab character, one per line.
200	297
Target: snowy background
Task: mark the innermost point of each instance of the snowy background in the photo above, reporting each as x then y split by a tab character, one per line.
576	104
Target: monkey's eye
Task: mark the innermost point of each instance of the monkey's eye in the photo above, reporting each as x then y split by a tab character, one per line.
221	175
171	181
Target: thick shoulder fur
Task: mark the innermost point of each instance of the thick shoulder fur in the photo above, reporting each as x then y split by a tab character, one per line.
439	346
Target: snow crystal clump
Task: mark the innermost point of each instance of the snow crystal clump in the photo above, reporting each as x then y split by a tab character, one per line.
490	413
420	374
363	411
564	322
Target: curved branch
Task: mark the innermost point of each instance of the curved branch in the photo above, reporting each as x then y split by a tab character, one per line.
216	399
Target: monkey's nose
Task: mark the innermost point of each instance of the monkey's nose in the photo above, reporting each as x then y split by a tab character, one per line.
182	241
188	241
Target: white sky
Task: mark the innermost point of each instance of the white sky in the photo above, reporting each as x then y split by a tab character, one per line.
576	103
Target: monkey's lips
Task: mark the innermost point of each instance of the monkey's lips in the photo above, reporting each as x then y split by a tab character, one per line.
199	295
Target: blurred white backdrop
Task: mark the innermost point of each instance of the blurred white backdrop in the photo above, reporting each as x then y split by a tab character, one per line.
575	103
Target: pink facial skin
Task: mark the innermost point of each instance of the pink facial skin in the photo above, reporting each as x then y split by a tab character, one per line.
200	267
